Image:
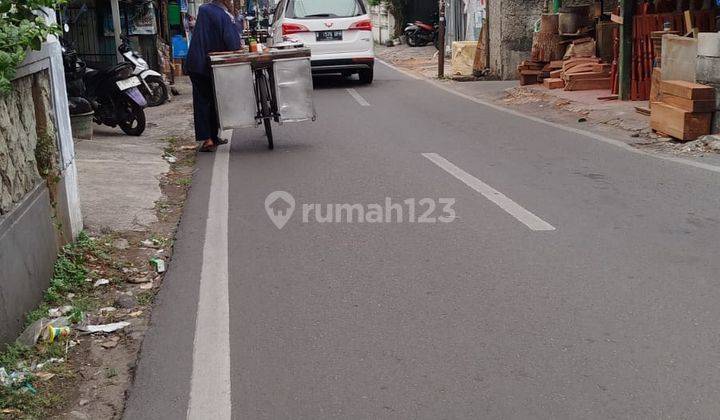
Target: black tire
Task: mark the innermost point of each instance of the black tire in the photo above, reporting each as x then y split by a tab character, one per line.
268	133
265	108
158	94
135	123
366	76
410	39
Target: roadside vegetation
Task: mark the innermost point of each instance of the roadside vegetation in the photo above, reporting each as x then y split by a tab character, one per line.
36	392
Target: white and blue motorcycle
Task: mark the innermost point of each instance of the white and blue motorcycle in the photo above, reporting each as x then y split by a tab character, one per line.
153	85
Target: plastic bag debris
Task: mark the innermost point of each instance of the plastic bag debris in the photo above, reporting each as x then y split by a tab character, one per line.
101	282
58	312
32	333
105	328
150	243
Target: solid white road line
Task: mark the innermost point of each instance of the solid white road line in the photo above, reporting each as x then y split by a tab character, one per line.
357	97
586	133
210	396
505	203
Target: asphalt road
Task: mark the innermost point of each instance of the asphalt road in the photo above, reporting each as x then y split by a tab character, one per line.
577	280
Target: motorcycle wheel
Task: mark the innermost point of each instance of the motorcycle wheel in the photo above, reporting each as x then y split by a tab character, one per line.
134	125
411	40
158	91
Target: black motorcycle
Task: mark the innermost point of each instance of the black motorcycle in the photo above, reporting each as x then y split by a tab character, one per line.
112	93
420	33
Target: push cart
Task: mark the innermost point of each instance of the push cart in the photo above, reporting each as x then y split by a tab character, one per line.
258	88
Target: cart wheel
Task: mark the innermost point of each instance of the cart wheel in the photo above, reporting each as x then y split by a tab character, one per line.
268	132
265	107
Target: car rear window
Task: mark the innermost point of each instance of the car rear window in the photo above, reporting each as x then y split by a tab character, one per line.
310	9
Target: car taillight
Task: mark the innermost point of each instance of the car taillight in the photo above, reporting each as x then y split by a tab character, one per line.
293	28
362	25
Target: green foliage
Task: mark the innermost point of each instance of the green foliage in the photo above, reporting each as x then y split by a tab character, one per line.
22	27
70	272
45	154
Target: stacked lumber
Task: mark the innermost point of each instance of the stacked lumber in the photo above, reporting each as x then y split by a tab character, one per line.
586	73
579	73
530	72
684	110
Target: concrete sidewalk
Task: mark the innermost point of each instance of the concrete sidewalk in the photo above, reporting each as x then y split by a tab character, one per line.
120	175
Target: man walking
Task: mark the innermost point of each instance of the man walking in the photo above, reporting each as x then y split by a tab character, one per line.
214	31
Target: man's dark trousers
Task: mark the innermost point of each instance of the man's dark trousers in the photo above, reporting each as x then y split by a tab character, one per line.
204	110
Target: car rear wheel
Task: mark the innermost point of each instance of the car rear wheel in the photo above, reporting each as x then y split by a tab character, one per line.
366	76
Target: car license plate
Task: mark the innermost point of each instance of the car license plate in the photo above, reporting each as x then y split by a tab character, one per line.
328	36
128	83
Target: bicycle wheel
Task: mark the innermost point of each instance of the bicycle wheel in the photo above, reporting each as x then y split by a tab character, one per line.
265	108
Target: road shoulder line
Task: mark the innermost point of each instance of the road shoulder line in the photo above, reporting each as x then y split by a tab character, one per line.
210	394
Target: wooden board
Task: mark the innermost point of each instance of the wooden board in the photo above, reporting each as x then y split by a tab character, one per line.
585	75
642	110
580	68
679	123
687	90
556	74
568	64
601	68
553	83
528	79
688	105
655	85
588	84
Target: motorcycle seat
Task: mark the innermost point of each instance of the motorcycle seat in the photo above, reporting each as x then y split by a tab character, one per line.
424	26
91	73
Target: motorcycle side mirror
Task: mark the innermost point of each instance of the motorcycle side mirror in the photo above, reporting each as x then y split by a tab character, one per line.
66	28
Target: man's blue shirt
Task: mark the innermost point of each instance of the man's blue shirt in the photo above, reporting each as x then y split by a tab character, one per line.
214	31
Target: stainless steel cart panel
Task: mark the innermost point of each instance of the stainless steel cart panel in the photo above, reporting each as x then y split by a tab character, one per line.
235	95
294	89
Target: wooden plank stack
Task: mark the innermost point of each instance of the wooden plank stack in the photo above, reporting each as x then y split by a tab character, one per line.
580	73
684	110
530	72
586	74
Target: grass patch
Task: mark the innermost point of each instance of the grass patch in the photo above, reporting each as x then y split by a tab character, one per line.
145	298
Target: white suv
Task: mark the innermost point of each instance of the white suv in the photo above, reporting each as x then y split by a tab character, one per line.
338	32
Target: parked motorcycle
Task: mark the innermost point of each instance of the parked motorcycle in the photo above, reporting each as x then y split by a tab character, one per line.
112	93
153	85
420	33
